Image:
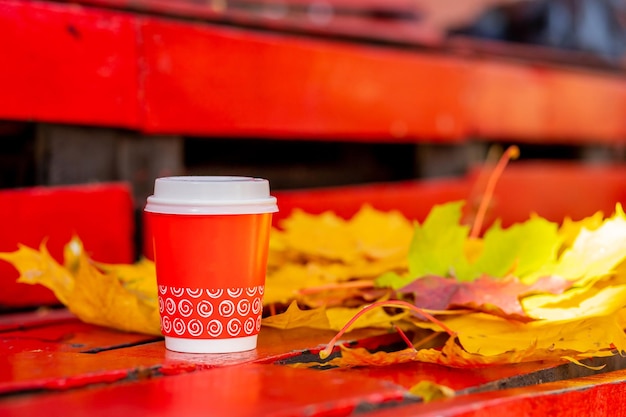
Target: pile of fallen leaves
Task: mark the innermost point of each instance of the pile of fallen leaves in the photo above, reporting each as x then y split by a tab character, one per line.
535	290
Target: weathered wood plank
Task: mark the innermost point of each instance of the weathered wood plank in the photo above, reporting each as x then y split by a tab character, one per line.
593	396
234	391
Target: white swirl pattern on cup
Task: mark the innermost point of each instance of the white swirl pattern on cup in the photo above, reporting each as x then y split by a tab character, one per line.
179	326
194	292
195	328
243	307
235	292
234	327
215	328
215	293
227	308
205	309
170	306
249	326
177	292
222	313
185	307
166	324
257	305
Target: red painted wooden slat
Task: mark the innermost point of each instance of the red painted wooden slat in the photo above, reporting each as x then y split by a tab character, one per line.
412	198
67	336
552	190
68	64
48	354
237	391
236	82
543	104
51	358
40	317
557	190
68	353
264	390
595	396
410	374
88	65
38	370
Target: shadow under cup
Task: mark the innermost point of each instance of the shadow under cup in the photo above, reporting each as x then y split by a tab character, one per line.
210	271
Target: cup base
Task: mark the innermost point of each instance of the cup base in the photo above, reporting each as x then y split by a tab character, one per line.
239	344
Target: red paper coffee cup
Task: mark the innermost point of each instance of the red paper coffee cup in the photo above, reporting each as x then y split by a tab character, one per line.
210	237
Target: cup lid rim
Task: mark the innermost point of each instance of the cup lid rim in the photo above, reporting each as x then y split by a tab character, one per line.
211	195
167	206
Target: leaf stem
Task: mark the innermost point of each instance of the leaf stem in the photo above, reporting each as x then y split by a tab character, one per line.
404	337
388	303
512	152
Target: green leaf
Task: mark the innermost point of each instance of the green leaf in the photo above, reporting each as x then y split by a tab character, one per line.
437	247
518	250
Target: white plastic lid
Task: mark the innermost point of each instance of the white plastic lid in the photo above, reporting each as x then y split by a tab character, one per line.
211	195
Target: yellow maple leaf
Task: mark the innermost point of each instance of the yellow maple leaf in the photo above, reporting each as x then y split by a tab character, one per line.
369	234
594	254
381	235
39	267
488	335
582	302
294	317
93	296
570	229
309	234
